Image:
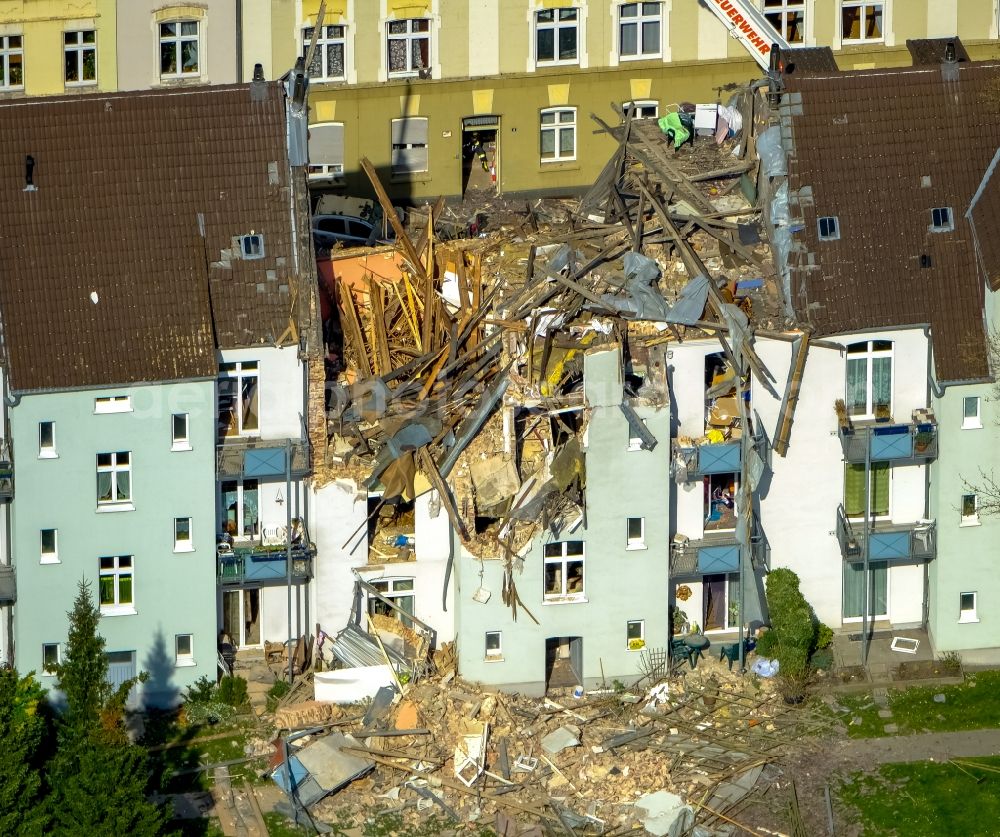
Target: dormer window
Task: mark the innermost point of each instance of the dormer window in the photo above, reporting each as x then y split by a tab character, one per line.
829	228
252	246
941	219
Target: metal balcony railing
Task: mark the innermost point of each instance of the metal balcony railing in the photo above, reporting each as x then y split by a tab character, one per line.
717	552
266	565
913	442
8	585
893	542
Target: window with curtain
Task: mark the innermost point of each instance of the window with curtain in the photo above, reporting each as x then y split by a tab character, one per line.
868	390
854	590
854	490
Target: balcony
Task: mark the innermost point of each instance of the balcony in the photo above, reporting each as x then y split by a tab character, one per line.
265	565
899	443
6	473
692	463
892	542
249	458
8	585
716	553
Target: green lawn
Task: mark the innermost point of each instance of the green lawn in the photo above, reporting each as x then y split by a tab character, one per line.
924	799
974	704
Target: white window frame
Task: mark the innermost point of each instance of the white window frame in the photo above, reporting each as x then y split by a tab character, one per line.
640	105
632	543
117	571
77	49
252	246
556	25
327	40
180	441
968	615
182	544
410	36
556	128
112	404
782	10
828	221
240	372
562	562
639	642
395	589
865	6
114	468
396	168
493	654
8	52
969	519
329	169
52	556
975	421
241	509
942	219
47	451
638	21
177	41
46	671
870	355
184	659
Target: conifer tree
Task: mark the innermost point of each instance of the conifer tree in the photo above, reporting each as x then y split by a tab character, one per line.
97	777
22	728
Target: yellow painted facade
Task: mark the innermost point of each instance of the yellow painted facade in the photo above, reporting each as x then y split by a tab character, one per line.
43	27
481	62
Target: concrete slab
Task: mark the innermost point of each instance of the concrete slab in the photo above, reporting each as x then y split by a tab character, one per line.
664	814
560	739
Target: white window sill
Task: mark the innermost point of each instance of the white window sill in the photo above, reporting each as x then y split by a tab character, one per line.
107	411
633	447
50	559
181	446
544	65
635	547
182	548
403	74
555	160
635	650
652	56
970	620
185	663
174	77
977	425
561	600
970	521
494	659
48	454
71	85
118	610
48	673
106	508
862	42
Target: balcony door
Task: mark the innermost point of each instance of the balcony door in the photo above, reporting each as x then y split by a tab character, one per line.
241	617
854	591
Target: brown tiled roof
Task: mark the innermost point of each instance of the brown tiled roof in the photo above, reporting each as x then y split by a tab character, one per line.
121	180
879	149
932	50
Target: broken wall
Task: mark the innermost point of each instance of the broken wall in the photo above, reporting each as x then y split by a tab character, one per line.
619	584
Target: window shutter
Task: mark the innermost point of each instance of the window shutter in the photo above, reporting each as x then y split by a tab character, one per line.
326	144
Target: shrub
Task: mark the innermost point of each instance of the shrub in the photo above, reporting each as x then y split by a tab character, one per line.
793	633
201	691
824	636
233	691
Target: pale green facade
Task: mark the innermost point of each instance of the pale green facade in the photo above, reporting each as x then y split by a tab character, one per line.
173	589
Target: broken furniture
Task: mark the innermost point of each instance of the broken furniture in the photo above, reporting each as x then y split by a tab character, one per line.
470	753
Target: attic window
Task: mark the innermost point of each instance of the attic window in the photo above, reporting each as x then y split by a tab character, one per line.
252	246
829	228
941	219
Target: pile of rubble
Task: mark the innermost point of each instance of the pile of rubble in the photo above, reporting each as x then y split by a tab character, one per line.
680	750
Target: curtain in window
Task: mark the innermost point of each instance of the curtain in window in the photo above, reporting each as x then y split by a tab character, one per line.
854	589
733	600
854	490
857	386
104	486
881	382
124	485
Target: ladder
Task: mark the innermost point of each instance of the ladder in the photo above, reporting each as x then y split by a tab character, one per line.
749	26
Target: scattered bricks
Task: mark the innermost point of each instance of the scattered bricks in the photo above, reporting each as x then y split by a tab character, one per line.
407	716
304	714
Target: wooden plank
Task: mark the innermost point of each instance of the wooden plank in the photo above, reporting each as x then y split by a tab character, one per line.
401	237
383	363
352	329
428	231
787	412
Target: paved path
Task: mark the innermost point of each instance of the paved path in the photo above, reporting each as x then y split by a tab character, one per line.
939	746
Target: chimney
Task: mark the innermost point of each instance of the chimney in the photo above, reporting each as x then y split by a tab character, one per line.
949	67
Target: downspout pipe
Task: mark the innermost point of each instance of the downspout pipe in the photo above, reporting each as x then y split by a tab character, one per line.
239	41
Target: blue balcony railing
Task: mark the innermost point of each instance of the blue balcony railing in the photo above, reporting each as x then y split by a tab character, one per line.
914	442
892	542
266	565
716	553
